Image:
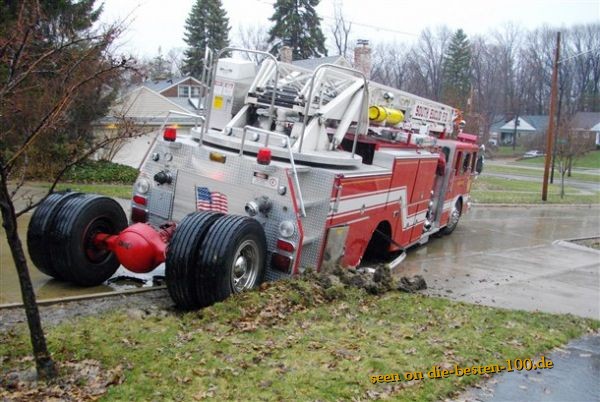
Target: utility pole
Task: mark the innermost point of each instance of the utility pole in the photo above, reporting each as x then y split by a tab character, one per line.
549	136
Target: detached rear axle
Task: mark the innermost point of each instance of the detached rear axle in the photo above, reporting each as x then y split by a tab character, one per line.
140	248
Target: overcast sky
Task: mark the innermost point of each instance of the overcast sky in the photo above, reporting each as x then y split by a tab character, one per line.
155	23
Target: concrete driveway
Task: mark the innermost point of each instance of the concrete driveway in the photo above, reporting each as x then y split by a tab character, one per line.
508	257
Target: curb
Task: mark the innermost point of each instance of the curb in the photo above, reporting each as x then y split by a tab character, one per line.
475	204
47	302
567	243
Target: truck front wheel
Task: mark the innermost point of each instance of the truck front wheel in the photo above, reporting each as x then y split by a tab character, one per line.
455	214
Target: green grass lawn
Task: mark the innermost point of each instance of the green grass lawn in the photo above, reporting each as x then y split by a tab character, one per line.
109	190
507	191
590	160
537	172
297	341
507	150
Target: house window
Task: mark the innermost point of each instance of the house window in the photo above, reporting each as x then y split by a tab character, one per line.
195	91
183	91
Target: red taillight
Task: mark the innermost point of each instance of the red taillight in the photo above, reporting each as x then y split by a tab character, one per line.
281	262
285	246
139	215
264	156
138	199
170	134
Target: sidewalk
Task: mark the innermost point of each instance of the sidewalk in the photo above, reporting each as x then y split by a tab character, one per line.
574	377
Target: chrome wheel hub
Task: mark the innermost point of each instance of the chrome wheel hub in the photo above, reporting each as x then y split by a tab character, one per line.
245	266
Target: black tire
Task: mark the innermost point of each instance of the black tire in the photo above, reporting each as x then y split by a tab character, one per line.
39	229
72	251
378	248
183	255
455	214
227	246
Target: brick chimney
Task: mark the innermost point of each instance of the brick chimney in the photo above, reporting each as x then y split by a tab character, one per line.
285	54
362	57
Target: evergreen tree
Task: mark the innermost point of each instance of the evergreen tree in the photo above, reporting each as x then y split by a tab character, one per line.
457	71
160	68
206	26
298	26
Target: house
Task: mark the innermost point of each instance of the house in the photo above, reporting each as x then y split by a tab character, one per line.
532	129
586	128
147	106
528	128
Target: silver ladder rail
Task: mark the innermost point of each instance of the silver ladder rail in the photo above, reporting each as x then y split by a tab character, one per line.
205	78
362	122
214	75
268	134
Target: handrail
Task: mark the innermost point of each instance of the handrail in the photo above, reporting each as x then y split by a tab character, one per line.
214	75
310	94
289	148
162	127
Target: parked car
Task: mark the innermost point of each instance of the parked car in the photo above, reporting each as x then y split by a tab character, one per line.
533	154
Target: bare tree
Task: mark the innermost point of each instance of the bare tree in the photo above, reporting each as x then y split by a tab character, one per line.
425	63
42	84
486	104
340	30
175	57
254	37
569	147
389	65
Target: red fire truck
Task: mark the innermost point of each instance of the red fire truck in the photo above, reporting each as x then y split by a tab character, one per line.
290	169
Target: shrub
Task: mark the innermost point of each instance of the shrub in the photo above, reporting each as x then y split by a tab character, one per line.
101	172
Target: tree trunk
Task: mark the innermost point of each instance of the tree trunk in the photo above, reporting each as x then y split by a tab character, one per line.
45	366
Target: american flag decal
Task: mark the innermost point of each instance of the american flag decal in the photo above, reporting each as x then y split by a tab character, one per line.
210	201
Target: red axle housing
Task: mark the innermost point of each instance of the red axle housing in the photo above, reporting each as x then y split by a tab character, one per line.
140	248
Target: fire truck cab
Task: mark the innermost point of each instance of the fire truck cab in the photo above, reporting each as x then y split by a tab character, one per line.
290	169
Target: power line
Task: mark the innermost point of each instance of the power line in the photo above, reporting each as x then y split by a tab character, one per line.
360	24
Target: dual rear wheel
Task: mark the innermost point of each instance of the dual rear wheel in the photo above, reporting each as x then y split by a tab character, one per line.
212	256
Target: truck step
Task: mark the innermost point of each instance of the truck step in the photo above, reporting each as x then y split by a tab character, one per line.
309	240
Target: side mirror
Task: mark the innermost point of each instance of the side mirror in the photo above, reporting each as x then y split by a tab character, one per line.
479	164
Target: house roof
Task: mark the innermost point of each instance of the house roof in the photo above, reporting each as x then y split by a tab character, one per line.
527	123
312	64
586	121
163	85
149	107
497	122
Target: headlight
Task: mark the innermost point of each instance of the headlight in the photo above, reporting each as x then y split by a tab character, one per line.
287	229
142	186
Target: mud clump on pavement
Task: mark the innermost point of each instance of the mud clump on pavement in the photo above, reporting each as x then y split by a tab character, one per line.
375	281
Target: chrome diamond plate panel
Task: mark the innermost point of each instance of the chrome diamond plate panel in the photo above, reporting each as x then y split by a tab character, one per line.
236	178
316	185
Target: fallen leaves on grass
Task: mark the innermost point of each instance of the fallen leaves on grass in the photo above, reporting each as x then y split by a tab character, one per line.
84	380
